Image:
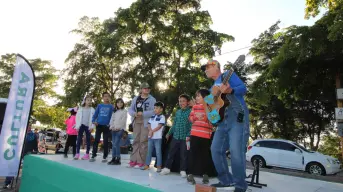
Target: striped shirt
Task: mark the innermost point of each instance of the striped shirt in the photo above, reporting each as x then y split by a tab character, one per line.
200	127
181	126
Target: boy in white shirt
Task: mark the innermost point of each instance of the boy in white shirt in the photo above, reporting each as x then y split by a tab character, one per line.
155	126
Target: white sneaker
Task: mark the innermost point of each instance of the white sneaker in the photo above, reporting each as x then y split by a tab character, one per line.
165	171
136	167
183	174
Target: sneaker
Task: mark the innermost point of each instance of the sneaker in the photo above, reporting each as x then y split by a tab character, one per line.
158	169
225	187
183	174
76	157
92	159
139	165
117	161
190	179
205	179
112	162
104	160
146	167
85	157
165	171
131	164
65	156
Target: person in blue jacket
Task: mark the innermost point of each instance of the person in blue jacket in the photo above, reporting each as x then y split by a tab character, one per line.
232	132
101	119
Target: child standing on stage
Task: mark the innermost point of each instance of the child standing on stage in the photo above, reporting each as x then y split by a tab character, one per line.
84	125
200	162
101	119
71	132
180	130
155	126
117	126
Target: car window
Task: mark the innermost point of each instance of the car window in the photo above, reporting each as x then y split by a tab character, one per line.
268	144
286	146
301	147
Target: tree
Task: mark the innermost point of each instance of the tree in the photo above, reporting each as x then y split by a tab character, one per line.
331	146
269	115
159	42
89	71
300	74
313	6
52	116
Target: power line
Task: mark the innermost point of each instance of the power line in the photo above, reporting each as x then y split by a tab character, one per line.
233	51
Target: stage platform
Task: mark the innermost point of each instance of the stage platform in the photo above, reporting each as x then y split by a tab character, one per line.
54	173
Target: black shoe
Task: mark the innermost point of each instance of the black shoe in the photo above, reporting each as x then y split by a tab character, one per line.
65	156
205	179
117	161
92	159
190	179
112	162
221	186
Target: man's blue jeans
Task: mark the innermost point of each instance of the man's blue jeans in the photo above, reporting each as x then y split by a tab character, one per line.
154	143
232	135
116	136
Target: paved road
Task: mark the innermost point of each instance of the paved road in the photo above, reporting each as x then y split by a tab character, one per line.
337	178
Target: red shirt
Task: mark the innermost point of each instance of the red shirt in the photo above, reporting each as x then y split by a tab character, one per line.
200	127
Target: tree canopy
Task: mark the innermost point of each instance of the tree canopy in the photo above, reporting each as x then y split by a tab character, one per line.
294	96
159	42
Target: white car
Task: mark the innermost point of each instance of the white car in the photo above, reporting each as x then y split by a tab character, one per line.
288	154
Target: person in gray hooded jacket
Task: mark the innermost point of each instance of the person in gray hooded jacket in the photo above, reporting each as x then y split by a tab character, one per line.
141	109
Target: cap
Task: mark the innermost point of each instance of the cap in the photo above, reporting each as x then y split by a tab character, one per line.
144	85
210	62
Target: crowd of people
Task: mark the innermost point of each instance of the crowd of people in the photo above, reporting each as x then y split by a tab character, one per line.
192	137
193	142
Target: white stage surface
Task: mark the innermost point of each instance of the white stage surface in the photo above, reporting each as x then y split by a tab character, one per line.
173	182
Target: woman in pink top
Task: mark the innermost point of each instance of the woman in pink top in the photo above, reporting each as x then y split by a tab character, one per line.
71	132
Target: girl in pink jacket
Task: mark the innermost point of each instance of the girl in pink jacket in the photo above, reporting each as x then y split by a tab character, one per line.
71	132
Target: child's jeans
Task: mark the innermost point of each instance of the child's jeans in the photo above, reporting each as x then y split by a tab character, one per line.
82	129
154	143
116	137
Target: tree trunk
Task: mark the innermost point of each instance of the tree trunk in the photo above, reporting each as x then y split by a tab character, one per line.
318	139
311	140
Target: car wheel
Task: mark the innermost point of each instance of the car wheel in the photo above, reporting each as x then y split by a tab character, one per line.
316	169
258	160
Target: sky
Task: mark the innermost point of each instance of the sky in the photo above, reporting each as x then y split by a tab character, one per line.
41	28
